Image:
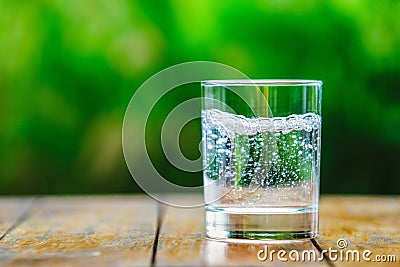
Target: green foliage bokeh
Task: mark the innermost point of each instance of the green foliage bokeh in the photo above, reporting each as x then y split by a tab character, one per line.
69	68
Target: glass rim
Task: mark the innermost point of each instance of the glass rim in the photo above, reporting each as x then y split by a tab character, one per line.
262	82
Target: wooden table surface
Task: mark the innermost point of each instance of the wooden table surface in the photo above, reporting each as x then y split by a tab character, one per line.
137	231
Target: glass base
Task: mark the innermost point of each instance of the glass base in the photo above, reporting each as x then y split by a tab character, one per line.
262	223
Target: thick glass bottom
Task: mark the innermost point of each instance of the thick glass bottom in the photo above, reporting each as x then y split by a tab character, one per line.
286	223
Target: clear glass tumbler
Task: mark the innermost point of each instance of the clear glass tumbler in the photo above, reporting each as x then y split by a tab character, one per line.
261	157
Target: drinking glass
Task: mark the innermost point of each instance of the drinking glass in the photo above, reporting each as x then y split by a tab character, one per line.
261	158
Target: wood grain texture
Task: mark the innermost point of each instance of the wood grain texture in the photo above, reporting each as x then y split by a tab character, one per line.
12	212
371	223
69	231
366	223
120	231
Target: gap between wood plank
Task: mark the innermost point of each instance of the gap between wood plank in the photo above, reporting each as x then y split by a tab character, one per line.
160	217
20	219
318	247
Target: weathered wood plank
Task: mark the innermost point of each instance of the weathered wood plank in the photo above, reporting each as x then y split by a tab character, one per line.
365	222
83	230
181	237
106	231
11	210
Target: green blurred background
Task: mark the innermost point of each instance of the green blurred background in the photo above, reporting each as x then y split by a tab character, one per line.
69	68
